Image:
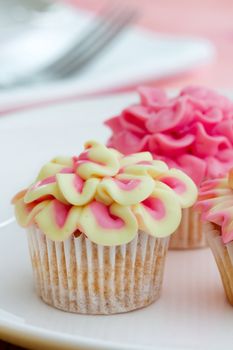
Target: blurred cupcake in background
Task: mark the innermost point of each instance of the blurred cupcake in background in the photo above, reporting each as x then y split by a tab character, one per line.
216	206
192	131
98	228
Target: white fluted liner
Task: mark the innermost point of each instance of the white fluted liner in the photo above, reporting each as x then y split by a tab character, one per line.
80	276
223	254
190	233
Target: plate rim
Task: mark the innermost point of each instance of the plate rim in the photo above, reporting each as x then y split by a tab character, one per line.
72	99
29	335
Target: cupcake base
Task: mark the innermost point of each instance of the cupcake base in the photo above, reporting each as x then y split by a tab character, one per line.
83	277
189	234
223	254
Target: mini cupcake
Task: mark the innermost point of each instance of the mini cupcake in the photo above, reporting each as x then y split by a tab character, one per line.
216	205
98	227
191	132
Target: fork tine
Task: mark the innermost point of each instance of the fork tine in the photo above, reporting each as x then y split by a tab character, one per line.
100	35
82	58
91	35
87	41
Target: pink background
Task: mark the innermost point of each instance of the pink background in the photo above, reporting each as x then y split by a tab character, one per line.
212	19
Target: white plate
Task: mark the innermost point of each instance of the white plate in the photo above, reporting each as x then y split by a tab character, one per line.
192	312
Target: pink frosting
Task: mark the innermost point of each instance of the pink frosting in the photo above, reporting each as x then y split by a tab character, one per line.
84	155
67	171
78	183
48	180
127	185
84	158
192	131
104	218
60	211
177	185
155	207
216	205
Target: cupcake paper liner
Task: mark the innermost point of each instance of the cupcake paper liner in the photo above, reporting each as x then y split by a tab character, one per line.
189	234
80	276
223	254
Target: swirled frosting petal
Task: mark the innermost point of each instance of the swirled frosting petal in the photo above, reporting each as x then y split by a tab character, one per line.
58	220
127	189
111	225
45	188
96	161
216	204
57	165
25	213
152	168
160	213
136	158
182	185
75	190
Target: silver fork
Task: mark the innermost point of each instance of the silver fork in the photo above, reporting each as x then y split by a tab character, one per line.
112	22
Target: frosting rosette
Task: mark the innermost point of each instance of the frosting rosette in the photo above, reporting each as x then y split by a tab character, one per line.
216	204
193	130
106	196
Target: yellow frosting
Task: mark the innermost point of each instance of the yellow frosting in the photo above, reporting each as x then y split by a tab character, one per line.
106	196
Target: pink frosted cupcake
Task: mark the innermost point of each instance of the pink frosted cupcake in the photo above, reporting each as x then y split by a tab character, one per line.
216	205
98	226
192	132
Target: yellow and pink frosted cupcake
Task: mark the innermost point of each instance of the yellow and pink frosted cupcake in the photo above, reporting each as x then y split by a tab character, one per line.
192	131
98	226
216	207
